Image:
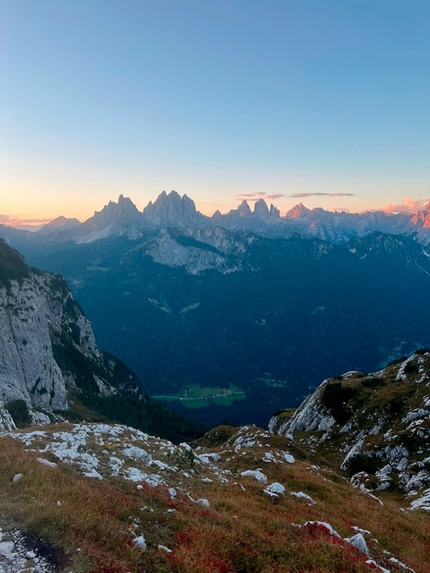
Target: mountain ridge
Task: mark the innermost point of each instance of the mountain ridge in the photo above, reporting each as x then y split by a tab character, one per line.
122	218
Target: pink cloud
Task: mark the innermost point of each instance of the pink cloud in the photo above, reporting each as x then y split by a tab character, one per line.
408	205
254	196
22	221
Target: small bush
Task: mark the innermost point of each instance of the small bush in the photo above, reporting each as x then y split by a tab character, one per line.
411	368
18	409
364	463
335	398
396	405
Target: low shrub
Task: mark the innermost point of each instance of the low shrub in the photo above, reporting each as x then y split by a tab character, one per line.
18	409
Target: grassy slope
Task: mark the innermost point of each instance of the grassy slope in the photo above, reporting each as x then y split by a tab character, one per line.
376	404
243	530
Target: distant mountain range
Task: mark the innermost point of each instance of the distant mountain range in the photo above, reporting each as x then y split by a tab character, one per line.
171	210
249	309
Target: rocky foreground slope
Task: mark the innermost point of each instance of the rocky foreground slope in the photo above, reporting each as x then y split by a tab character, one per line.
108	498
375	427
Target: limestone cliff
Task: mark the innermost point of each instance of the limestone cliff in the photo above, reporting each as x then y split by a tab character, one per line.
46	342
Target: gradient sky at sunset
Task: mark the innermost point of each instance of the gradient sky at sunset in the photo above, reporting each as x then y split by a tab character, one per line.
326	102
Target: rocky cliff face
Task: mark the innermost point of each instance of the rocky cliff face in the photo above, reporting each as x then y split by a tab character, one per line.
46	342
374	426
172	210
198	250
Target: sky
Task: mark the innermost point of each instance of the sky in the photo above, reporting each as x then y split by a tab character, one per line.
324	102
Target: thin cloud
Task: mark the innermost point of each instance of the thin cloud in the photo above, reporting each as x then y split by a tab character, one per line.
254	196
409	205
301	195
275	196
22	221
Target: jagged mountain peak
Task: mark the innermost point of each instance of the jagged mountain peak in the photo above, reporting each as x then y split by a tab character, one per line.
116	218
243	210
261	209
172	209
120	210
297	211
274	211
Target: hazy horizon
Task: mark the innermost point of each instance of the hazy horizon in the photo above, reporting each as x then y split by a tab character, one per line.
410	206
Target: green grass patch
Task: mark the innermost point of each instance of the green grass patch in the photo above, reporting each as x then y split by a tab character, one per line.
201	396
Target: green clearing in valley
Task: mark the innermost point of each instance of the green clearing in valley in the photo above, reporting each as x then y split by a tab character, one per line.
201	396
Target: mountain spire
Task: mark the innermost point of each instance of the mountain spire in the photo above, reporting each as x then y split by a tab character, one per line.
171	209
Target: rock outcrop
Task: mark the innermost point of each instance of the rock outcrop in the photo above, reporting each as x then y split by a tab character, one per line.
46	342
376	426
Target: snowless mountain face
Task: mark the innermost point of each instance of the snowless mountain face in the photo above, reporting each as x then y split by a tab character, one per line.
115	219
46	342
374	427
173	211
